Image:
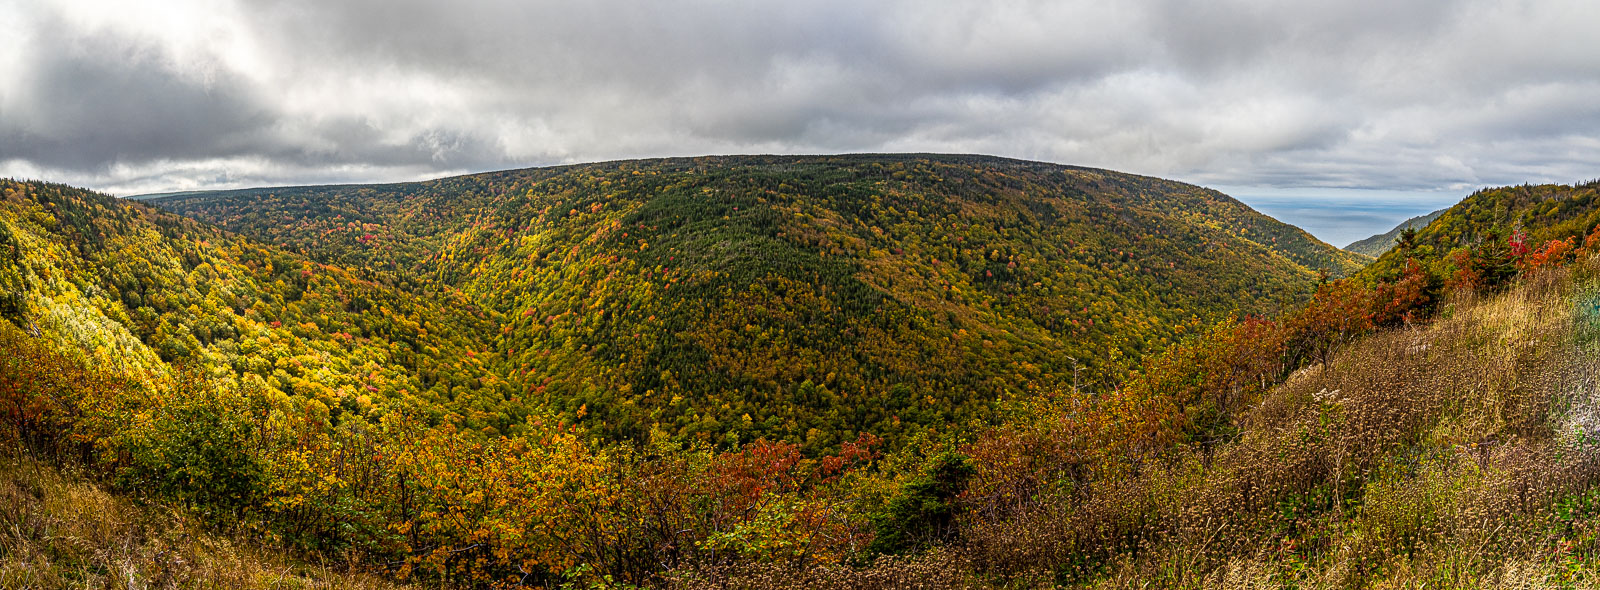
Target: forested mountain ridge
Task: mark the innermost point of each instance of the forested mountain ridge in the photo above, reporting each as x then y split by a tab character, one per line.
349	223
142	290
1476	240
1375	246
803	298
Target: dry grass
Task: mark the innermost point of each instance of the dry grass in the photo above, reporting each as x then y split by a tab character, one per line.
60	531
1460	454
936	571
1424	458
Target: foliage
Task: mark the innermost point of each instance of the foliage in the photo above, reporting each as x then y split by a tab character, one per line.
193	447
1426	421
804	299
61	530
1376	245
540	506
1476	242
136	289
924	511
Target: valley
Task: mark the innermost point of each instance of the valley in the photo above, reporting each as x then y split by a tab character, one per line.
804	372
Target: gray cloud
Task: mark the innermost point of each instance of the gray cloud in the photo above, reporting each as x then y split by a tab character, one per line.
95	101
1427	95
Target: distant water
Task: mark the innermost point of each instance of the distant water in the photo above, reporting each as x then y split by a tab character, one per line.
1342	216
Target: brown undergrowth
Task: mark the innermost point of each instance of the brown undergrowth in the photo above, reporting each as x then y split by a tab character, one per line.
1448	455
1461	453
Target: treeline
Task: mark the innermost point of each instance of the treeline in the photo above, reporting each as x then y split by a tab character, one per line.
1515	220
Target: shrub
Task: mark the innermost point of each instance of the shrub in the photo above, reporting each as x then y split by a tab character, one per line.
193	446
925	510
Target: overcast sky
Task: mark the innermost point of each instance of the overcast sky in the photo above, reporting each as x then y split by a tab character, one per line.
1424	98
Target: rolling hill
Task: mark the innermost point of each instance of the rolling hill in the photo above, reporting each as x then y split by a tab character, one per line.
801	298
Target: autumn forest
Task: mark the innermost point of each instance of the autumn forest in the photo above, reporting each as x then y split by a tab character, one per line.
886	370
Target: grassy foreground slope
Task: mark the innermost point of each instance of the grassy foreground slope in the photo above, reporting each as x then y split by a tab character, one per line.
803	298
1456	455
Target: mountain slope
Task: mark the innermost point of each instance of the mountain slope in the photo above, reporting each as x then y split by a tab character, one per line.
1355	441
1452	449
804	298
1376	245
136	289
1488	222
1456	453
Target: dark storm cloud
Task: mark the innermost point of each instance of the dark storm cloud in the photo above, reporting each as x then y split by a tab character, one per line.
99	100
1421	95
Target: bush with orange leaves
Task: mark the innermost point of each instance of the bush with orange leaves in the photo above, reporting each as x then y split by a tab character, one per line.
1553	252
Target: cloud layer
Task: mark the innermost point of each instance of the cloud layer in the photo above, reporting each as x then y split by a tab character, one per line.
1424	95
